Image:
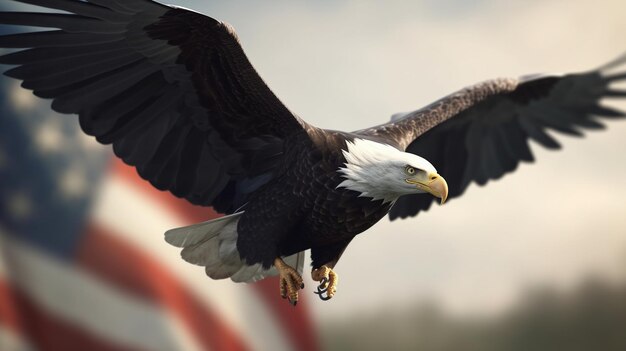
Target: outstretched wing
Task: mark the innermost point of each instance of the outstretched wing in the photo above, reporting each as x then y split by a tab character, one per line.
482	132
171	89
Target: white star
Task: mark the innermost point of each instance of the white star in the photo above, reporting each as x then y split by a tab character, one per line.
73	182
22	99
20	206
88	142
48	137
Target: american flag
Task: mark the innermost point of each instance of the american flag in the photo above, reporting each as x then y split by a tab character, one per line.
83	263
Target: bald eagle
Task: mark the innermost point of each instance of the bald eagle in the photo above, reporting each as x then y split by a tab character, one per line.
174	93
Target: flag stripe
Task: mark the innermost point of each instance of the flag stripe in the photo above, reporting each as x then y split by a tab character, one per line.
187	211
10	315
136	219
298	326
44	330
114	284
66	292
122	265
10	341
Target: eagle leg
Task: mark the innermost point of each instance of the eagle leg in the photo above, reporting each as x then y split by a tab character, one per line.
328	282
290	281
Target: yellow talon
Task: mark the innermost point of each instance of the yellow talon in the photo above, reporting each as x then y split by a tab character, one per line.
290	281
328	282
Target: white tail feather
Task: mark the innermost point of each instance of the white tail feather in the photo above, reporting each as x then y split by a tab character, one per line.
185	236
213	244
247	273
221	270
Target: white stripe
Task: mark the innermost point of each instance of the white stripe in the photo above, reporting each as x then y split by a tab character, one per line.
138	219
10	341
61	289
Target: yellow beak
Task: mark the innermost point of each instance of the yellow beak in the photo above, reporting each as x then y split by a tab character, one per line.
435	185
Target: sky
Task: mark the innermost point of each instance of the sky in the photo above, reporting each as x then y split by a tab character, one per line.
351	64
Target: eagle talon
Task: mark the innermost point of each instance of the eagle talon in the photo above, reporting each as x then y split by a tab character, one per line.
290	282
323	285
328	282
321	293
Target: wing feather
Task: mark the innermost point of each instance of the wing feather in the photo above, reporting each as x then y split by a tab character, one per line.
58	74
44	54
94	91
482	132
80	8
68	23
171	89
55	39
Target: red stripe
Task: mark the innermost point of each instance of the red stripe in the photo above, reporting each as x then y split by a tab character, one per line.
44	331
122	265
187	211
9	313
295	321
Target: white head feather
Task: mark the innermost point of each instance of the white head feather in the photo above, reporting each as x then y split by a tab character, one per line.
378	170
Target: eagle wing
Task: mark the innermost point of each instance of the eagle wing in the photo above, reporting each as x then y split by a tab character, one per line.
171	89
481	132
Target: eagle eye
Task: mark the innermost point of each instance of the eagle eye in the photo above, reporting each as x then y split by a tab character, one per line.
410	170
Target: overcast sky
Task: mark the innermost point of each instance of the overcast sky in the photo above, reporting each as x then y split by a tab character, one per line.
351	64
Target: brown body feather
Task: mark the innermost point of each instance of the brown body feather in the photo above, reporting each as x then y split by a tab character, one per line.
303	208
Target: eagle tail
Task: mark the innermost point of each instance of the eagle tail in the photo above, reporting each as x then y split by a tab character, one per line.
213	244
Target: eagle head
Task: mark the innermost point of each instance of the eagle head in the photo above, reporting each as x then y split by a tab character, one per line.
383	172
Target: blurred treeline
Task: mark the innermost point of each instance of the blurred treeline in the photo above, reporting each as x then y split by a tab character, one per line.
590	317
